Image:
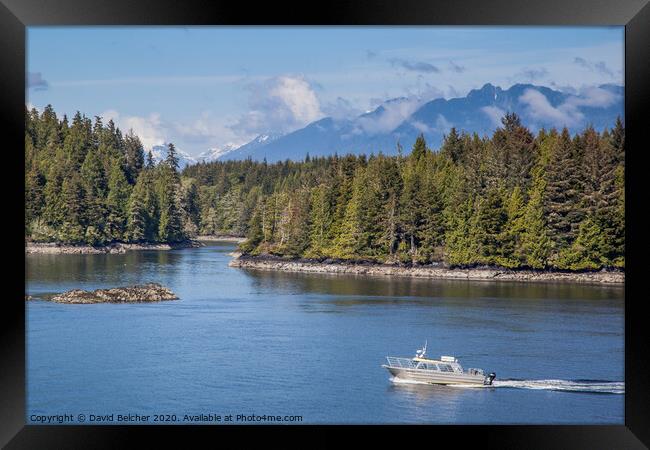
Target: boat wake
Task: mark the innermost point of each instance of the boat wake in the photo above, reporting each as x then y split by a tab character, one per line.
465	386
588	386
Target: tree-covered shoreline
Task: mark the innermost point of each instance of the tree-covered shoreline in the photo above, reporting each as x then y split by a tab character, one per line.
516	199
86	183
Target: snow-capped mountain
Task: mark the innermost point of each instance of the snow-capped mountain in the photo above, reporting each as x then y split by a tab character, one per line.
403	119
249	148
159	153
215	153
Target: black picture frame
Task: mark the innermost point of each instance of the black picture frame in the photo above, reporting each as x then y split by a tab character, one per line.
16	15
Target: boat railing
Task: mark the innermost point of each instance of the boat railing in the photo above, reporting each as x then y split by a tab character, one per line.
404	363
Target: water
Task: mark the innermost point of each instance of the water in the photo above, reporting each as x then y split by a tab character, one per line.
278	344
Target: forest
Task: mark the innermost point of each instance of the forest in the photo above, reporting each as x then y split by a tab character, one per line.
516	199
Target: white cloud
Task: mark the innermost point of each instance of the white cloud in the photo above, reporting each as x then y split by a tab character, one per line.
391	116
279	104
442	124
567	113
150	130
594	97
421	126
298	96
538	107
207	130
494	113
341	109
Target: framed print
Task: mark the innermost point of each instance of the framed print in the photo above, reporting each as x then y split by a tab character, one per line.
380	216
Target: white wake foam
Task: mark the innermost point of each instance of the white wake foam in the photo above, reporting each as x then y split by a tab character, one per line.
589	386
595	386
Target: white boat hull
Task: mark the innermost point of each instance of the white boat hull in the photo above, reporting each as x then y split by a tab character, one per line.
435	377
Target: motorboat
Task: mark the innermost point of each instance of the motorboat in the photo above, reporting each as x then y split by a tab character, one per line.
446	370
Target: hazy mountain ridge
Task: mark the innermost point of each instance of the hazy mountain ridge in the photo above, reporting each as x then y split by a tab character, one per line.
403	119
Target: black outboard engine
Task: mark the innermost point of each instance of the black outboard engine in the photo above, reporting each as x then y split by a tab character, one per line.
489	378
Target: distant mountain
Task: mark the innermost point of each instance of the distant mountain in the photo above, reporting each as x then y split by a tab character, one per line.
159	153
403	119
249	148
213	154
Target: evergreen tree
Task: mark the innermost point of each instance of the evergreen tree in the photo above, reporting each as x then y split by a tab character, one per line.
491	217
137	214
512	199
134	154
119	192
321	215
562	200
453	146
352	239
72	230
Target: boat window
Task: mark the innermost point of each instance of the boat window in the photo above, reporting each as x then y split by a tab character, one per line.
445	368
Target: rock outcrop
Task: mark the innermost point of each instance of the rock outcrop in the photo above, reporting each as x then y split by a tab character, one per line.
145	293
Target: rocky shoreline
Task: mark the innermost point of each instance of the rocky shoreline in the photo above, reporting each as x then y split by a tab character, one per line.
116	247
145	293
220	238
478	274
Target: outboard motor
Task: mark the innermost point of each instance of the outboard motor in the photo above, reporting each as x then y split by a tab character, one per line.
489	378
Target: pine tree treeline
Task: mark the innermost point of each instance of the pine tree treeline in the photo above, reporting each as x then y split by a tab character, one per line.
516	199
86	183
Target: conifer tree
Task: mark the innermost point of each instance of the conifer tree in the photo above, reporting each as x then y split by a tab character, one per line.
116	202
321	212
72	230
134	155
137	214
562	200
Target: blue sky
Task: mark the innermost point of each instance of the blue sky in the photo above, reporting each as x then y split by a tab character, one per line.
207	87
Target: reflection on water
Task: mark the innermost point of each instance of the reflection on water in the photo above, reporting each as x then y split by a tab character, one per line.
353	285
313	344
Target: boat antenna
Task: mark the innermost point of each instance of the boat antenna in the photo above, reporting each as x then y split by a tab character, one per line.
420	352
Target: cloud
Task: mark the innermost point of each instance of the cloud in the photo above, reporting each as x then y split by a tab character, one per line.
568	113
415	66
442	124
207	130
534	73
151	130
592	97
394	112
538	107
598	67
36	81
420	126
494	113
456	68
341	109
391	115
279	104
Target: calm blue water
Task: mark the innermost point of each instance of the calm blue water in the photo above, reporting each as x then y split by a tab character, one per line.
270	343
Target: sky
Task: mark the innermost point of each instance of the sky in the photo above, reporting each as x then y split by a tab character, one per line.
210	87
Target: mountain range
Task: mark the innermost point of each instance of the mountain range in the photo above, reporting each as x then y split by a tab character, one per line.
401	120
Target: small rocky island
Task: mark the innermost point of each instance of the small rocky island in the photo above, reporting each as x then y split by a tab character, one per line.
144	293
